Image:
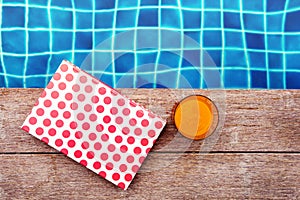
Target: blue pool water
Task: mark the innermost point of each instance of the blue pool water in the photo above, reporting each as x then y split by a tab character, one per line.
253	44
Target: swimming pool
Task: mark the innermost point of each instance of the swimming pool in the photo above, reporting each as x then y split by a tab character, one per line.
253	44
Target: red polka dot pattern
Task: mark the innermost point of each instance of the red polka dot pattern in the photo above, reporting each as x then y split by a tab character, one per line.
94	125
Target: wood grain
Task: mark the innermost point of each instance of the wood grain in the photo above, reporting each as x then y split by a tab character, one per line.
177	176
251	120
255	153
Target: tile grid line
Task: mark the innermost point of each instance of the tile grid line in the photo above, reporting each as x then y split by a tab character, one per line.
113	43
223	44
93	38
152	72
201	44
1	50
74	29
5	29
245	44
283	45
152	7
181	45
50	42
147	51
135	45
26	44
158	45
143	51
266	46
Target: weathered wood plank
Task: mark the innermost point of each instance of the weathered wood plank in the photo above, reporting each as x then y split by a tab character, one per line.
254	120
176	176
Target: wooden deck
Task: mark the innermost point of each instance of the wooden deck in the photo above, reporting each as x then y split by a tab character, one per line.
254	154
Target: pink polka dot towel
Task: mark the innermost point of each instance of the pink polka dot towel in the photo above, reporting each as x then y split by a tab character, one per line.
93	124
